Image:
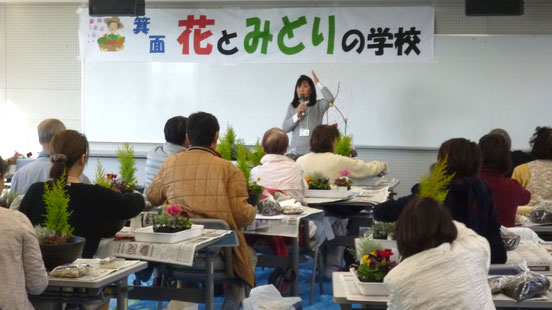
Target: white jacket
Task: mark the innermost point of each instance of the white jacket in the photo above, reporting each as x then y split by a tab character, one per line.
282	173
450	276
331	164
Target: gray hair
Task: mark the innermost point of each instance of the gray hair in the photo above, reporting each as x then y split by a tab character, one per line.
504	134
48	128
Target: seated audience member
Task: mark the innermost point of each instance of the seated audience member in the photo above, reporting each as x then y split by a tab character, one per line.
469	199
508	194
536	176
278	171
21	264
175	137
444	264
91	205
323	159
39	170
207	186
518	157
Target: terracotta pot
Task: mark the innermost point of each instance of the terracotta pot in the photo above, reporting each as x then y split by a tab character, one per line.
54	255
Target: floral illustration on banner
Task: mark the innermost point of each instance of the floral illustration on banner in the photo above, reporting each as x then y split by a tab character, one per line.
111	41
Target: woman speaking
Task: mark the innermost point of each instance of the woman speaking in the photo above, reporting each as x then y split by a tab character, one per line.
305	112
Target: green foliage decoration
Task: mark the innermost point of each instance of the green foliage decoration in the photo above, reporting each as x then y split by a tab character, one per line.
256	156
344	145
101	176
241	161
317	180
125	156
227	144
365	246
382	230
435	185
56	199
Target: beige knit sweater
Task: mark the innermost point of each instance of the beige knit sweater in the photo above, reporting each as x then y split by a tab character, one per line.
22	270
331	164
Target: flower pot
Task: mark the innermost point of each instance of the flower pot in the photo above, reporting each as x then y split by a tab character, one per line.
254	198
59	254
370	288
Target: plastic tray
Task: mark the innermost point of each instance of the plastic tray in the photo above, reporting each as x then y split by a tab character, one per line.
146	234
370	288
330	193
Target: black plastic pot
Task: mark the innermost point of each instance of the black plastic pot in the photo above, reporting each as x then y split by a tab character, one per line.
59	254
254	198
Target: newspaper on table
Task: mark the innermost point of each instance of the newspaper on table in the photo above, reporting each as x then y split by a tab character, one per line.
180	253
352	292
369	195
95	271
281	225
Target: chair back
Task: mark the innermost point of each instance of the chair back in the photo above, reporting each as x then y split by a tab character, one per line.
211	223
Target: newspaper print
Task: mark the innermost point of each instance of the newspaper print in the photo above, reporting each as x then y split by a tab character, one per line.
180	253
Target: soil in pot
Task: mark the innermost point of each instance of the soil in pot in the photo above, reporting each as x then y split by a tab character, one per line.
167	229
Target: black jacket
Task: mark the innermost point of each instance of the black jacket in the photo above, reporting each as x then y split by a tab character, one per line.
469	201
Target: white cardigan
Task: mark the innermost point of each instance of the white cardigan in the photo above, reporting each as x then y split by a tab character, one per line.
331	164
450	276
282	173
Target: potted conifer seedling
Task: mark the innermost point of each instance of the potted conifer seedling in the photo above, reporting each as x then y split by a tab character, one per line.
57	243
254	190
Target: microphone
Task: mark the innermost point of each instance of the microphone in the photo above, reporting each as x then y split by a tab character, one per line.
302	100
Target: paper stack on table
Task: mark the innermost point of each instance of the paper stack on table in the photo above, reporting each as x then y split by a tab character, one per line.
537	257
374	196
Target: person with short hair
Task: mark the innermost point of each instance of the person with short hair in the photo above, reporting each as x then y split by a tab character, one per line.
469	199
207	186
39	169
92	207
175	142
323	159
305	112
21	264
444	264
518	157
536	176
508	194
278	171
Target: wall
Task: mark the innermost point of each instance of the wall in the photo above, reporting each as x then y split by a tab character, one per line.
40	72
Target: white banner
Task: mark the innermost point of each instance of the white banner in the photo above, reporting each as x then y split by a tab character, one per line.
290	35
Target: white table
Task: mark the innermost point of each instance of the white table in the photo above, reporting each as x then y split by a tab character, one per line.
380	302
75	290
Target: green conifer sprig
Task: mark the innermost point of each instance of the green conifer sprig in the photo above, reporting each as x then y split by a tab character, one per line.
344	145
101	176
242	163
256	156
56	199
125	156
227	144
435	185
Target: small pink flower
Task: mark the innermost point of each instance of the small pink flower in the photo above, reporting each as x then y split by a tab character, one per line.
91	21
344	173
174	210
